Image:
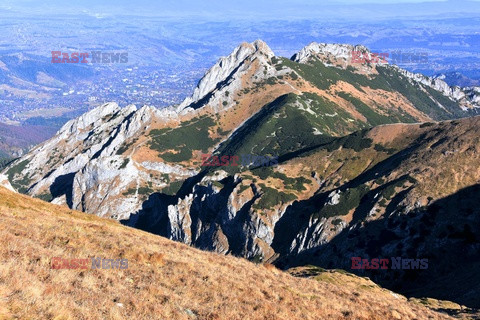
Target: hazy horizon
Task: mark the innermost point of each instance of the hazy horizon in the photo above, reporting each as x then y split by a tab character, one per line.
249	9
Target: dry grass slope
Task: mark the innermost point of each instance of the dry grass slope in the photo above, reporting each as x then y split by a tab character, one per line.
164	279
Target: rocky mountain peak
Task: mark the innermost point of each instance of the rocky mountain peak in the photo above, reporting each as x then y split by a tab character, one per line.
262	47
226	69
91	117
340	56
327	51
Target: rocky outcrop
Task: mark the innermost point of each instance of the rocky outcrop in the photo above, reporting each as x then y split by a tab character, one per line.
5	183
327	51
226	75
340	55
467	97
81	166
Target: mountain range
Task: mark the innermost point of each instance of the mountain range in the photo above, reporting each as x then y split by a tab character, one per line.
370	160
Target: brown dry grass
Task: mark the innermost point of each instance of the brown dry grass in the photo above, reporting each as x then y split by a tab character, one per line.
164	279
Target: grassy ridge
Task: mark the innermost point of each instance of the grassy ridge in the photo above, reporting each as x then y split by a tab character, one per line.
164	279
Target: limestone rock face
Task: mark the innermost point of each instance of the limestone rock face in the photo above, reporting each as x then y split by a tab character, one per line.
467	97
5	183
340	55
227	73
324	51
81	166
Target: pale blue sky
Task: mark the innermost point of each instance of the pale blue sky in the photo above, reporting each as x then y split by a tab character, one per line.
244	9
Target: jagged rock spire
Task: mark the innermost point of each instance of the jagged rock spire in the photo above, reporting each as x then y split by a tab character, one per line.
224	69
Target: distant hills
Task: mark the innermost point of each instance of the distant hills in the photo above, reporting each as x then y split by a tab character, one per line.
267	10
16	140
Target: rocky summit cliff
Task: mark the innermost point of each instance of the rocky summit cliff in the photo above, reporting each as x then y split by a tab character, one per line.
351	161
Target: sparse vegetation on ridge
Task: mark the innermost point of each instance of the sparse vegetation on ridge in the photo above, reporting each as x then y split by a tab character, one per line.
177	144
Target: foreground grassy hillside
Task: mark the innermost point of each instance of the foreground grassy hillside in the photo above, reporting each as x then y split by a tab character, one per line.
164	279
